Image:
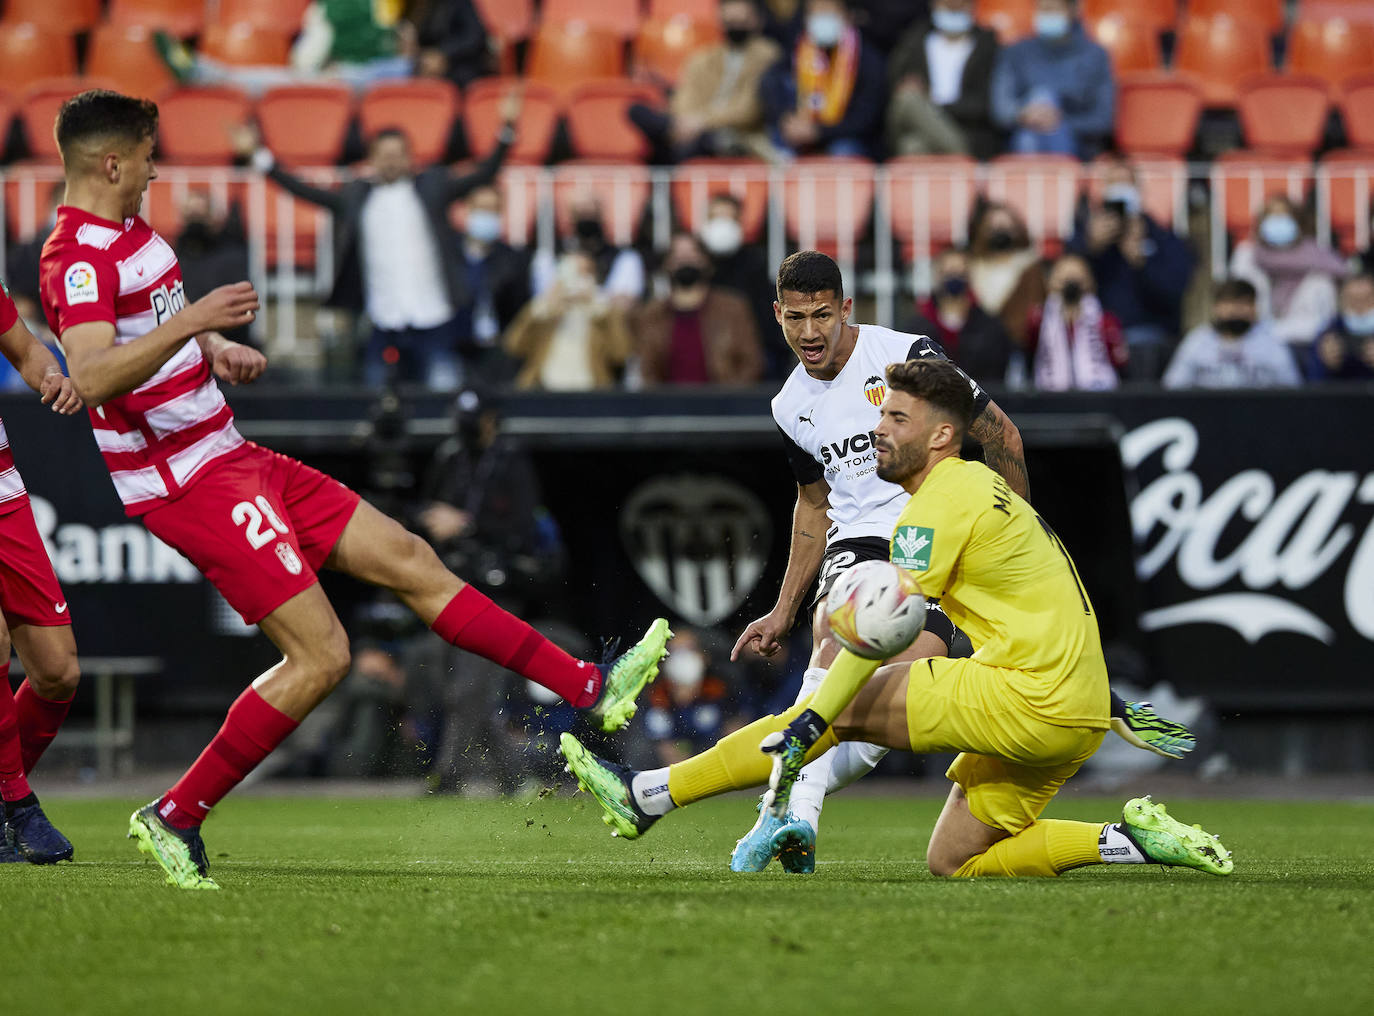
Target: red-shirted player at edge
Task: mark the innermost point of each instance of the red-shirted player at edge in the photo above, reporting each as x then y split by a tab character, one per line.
34	619
259	525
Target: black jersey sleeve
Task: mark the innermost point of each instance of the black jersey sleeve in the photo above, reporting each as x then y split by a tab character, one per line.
806	469
926	346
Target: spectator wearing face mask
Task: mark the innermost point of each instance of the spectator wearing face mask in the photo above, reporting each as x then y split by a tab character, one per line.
741	268
1235	349
828	98
1294	276
1054	91
940	76
716	108
571	337
212	248
1344	351
618	271
697	334
1004	267
498	279
1141	267
692	708
1076	345
972	337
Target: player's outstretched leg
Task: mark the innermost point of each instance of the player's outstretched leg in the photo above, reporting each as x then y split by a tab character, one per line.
626	675
180	852
30	835
1163	839
1138	724
612	786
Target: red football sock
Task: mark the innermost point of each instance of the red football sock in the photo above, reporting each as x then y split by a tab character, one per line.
13	785
472	622
250	732
39	720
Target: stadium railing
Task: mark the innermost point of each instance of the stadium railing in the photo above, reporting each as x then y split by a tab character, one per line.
883	223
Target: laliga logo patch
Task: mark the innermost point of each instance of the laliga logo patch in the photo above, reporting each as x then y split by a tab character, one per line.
287	556
699	542
80	285
875	390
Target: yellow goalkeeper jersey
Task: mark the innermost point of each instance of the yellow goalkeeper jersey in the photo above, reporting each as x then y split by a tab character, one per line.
1003	576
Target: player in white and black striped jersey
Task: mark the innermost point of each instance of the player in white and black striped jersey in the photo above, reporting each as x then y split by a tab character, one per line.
845	514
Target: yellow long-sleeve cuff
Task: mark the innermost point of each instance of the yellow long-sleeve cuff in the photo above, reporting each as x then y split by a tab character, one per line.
841	683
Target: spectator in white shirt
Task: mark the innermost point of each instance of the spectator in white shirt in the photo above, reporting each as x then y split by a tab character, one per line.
1234	350
619	271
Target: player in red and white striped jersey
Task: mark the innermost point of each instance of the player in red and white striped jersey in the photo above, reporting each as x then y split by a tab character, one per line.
258	525
33	618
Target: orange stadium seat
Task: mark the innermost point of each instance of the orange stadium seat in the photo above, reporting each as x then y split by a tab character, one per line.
1042	188
1344	180
1357	111
425	108
245	44
193	124
29	53
38	107
1267	15
305	125
63	16
827	203
697	180
1361	11
598	120
304	222
1157	114
508	20
662	46
565	56
1283	114
1161	15
1242	180
1331	50
28	195
180	17
1219	52
1132	45
622	190
619	17
125	55
930	199
534	132
520	198
1163	186
1010	19
695	10
277	15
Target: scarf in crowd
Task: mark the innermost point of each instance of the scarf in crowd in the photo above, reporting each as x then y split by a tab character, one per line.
1079	359
825	85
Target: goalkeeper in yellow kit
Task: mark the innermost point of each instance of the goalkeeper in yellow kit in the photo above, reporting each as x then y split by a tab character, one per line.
1024	712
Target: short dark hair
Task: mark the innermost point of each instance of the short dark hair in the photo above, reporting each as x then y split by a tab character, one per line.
938	382
728	197
100	113
1234	289
388	132
810	271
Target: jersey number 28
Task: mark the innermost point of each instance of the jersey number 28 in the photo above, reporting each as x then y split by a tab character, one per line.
248	515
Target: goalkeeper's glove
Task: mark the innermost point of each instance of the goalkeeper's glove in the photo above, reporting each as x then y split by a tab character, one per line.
788	748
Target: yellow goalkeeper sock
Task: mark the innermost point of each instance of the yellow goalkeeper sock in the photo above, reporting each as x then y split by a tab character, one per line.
735	762
1047	847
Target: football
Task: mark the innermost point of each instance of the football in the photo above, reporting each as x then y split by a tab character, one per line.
876	609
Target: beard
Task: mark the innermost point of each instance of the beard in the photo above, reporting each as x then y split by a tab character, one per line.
902	463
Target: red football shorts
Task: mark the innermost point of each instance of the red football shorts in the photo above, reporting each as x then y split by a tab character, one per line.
29	591
258	526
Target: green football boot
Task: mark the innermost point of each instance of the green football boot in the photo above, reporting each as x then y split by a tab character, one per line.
623	679
180	852
1146	729
610	785
1165	840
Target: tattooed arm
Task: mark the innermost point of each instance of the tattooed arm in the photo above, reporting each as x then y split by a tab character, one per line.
809	522
1002	449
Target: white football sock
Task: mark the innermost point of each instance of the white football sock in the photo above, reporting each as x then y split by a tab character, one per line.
811	680
650	788
1115	847
852	760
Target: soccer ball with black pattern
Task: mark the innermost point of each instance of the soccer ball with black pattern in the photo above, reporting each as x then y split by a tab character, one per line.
876	609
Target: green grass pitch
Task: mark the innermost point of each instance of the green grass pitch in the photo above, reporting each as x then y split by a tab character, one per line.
446	906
